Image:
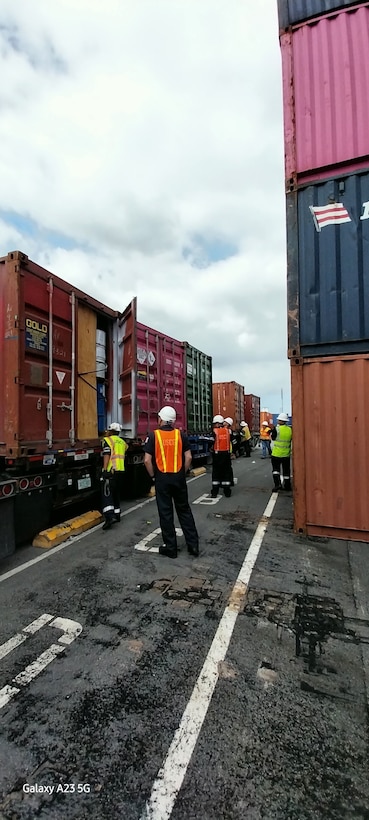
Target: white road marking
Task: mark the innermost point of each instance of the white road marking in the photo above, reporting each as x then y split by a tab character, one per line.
171	775
142	546
207	499
71	630
76	538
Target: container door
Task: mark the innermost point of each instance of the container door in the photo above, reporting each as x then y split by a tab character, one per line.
86	384
124	404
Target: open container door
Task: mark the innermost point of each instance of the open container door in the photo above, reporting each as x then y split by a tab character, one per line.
124	403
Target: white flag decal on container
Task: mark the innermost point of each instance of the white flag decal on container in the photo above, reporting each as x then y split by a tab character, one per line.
332	214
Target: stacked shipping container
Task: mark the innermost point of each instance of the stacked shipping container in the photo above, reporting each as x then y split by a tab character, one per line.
324	45
251	412
228	400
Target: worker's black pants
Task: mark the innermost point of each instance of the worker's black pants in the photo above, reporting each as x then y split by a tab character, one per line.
281	465
111	506
169	488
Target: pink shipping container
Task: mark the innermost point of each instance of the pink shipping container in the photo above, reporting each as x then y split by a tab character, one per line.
325	90
228	400
330	400
149	368
252	412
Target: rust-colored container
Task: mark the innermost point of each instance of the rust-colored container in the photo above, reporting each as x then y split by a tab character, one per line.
265	415
252	412
330	401
48	360
228	400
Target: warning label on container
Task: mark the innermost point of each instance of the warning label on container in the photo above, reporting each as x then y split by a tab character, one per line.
36	335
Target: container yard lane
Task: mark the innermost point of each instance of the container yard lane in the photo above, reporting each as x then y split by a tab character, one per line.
233	685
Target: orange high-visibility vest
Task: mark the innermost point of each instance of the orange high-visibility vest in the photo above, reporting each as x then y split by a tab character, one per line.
222	442
265	433
168	450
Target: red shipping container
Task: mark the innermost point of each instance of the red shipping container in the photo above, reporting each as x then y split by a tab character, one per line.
330	400
252	412
48	360
149	369
325	92
228	400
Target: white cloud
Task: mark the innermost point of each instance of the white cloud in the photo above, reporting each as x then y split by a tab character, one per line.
146	133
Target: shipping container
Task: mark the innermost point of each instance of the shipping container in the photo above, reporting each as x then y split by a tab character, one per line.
199	393
150	368
251	412
327	267
325	92
291	12
330	400
228	400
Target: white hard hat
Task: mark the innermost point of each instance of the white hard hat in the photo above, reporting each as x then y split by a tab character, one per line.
229	420
218	419
282	417
243	424
167	413
264	422
115	426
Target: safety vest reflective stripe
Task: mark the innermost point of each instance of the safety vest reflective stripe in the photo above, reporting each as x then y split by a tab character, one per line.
282	444
118	448
265	433
222	442
168	450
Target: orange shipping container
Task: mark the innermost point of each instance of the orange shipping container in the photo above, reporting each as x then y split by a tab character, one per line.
228	400
330	400
265	415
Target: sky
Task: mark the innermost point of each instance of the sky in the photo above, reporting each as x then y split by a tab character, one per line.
142	155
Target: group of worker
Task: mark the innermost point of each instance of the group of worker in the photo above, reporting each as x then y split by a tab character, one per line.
167	460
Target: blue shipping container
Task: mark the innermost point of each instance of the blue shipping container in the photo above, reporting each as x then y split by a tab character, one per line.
328	267
296	11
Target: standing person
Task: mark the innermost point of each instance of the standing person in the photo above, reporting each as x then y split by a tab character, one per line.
222	467
246	439
167	459
281	453
265	432
228	425
114	450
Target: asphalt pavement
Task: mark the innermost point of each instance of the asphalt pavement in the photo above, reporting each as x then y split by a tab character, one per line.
232	686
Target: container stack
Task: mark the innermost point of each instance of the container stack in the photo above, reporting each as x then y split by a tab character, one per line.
324	47
229	400
252	412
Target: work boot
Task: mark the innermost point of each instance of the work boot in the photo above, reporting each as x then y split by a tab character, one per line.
169	553
107	525
227	492
214	493
276	489
193	550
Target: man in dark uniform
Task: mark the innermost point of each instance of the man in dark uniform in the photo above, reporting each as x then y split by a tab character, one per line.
167	459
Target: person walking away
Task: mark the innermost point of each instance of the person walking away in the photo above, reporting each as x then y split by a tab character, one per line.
246	439
265	432
167	459
228	425
222	467
113	450
281	453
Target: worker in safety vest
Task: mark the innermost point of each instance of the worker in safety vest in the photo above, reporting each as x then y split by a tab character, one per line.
281	453
228	425
113	450
246	438
167	459
265	432
222	475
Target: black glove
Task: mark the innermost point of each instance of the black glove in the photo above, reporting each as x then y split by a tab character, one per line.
105	474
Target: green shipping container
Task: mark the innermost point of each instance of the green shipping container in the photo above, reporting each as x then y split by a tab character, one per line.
199	392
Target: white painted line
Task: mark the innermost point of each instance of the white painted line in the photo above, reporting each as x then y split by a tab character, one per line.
171	775
207	499
71	630
76	538
142	546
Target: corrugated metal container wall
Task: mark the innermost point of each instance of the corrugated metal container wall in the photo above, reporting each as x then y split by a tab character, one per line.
199	393
160	378
228	400
325	89
251	412
266	415
294	11
328	301
48	356
330	400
